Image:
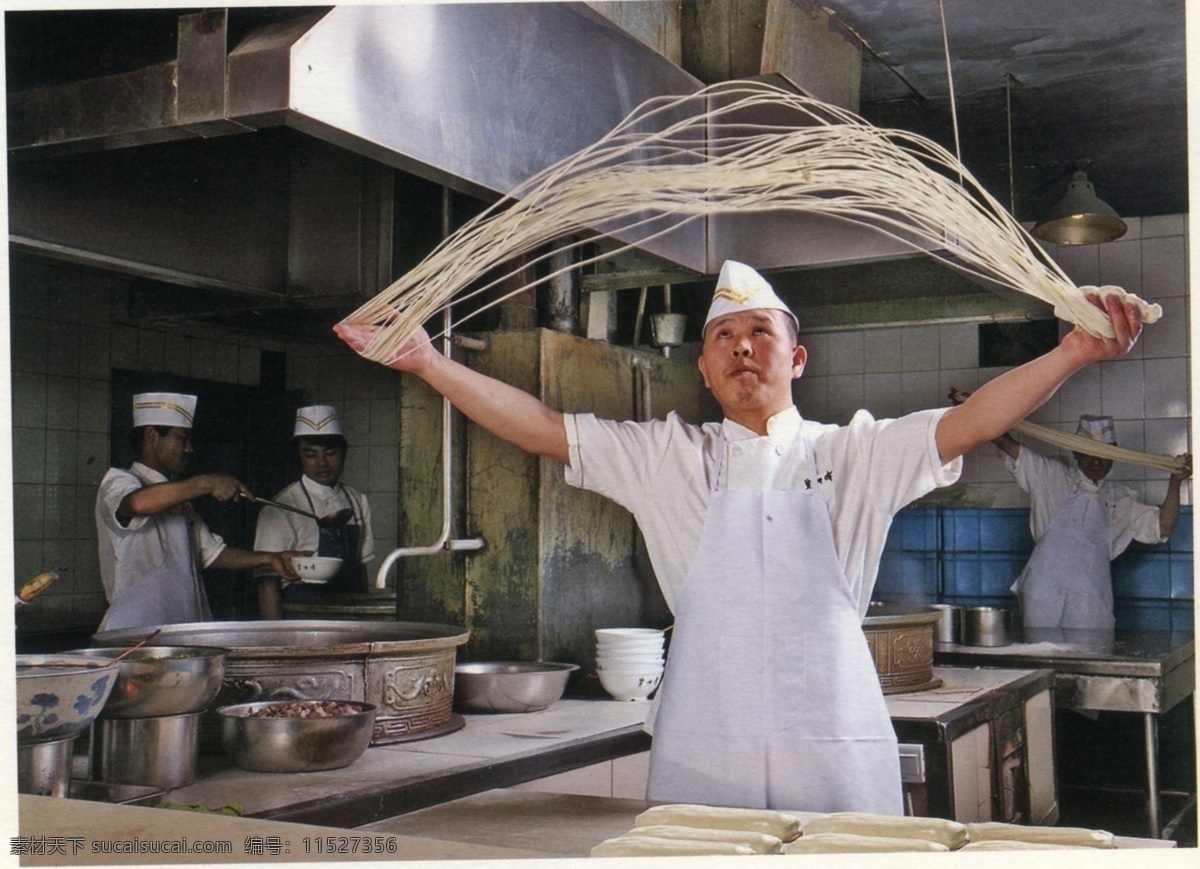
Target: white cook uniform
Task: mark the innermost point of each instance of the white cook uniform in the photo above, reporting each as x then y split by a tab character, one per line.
280	530
1078	528
661	472
742	723
151	567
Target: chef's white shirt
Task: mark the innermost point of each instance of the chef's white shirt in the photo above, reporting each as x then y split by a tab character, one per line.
129	552
280	530
662	471
1050	482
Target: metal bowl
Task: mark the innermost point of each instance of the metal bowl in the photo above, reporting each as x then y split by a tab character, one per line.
58	696
162	680
294	744
509	686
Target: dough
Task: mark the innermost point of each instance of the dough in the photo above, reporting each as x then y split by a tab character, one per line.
995	831
651	846
950	834
762	843
851	843
781	825
1014	845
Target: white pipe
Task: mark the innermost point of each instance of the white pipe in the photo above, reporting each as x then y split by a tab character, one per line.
443	541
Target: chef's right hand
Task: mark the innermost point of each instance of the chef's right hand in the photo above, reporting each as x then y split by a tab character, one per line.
225	488
416	355
281	563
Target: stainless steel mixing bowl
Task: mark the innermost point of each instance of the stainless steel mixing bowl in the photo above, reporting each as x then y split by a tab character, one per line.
295	744
155	681
509	686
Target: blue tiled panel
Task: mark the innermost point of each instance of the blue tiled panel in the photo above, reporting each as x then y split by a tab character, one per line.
1144	615
1005	531
907	577
1138	574
960	530
997	573
962	574
1182	582
915	530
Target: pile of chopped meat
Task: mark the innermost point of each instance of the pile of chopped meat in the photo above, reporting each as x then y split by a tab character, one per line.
305	709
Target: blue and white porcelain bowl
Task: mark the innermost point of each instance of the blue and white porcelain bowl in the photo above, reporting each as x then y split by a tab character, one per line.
58	696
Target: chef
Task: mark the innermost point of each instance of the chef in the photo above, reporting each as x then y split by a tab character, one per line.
765	531
1080	522
321	447
152	544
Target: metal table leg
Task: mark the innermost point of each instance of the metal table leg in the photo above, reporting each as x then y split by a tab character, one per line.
1150	726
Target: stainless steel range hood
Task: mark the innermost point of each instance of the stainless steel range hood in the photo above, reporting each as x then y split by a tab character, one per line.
259	162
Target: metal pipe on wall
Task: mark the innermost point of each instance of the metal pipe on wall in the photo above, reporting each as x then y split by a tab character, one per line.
443	542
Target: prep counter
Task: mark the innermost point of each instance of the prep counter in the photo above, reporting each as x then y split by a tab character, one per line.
1137	672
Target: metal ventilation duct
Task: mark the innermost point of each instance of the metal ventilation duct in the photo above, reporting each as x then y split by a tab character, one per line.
473	96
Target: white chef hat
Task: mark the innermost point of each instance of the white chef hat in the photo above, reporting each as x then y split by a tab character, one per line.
1098	428
163	408
317	420
741	288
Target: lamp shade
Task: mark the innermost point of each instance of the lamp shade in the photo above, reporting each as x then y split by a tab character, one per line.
1080	217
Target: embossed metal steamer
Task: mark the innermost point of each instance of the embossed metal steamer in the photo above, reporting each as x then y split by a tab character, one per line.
901	642
405	668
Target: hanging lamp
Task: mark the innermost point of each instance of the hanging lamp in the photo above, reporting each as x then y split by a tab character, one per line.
1080	217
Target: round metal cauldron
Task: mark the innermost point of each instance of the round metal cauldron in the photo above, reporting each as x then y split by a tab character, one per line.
901	642
353	607
406	669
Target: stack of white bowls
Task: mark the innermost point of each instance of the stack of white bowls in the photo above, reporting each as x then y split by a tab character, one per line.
629	661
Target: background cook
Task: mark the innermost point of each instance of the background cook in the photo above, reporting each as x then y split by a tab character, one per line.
152	545
765	531
1080	522
321	447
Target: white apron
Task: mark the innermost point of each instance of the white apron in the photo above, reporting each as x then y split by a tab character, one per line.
1068	581
169	592
770	697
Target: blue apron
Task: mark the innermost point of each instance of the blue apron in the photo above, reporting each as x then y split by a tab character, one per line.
343	543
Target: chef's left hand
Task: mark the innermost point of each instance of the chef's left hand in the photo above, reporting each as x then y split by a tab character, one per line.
1127	324
1187	472
281	562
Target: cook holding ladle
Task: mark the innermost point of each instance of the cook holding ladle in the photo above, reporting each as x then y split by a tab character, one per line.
152	544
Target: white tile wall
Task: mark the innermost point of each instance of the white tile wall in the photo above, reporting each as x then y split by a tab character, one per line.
1147	392
65	341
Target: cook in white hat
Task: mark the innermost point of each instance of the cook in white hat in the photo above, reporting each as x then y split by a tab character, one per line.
1080	522
152	545
322	448
765	531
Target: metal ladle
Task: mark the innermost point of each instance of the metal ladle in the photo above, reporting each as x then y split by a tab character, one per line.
333	520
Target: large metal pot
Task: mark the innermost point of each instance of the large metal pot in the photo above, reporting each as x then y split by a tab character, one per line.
901	642
406	669
156	752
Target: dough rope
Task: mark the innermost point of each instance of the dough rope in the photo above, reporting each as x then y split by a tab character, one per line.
663	167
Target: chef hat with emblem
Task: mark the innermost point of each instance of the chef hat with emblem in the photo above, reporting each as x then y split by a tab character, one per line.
318	420
1097	428
163	408
741	288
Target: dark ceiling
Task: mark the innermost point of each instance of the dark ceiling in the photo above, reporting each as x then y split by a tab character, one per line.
1099	85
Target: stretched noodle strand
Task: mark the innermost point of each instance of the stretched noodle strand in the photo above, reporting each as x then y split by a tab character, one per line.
678	159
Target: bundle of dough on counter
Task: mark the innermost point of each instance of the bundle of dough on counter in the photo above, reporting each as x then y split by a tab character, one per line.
951	835
682	830
1056	836
854	843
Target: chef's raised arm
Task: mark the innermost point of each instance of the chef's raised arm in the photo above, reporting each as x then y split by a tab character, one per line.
994	408
505	411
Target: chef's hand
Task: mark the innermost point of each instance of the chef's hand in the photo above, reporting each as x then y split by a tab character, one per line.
225	488
415	356
281	563
1187	471
1127	324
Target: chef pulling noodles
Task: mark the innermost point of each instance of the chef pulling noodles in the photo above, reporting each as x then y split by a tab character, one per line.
765	531
1080	522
